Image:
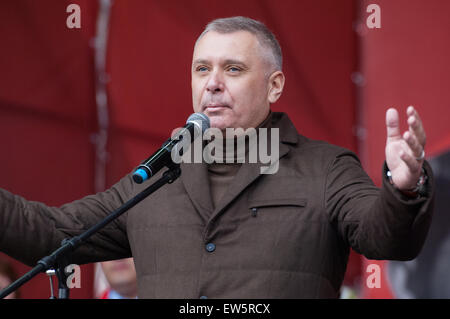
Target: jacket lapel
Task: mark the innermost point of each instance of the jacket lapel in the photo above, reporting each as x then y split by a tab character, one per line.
246	175
194	176
249	172
196	182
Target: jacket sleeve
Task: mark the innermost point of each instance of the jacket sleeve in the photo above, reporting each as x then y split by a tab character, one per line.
378	223
30	230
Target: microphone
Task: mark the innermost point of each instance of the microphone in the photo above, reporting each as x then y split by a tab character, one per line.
196	125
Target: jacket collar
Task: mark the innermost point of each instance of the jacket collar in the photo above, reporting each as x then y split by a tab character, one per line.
288	132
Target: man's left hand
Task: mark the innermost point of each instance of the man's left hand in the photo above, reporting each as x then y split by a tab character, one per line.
405	153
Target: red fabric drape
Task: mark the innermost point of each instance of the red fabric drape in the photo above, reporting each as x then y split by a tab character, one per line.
405	62
47	111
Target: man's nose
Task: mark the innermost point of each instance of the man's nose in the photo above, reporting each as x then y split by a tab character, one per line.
215	83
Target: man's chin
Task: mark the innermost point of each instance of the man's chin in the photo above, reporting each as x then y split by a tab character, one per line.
219	122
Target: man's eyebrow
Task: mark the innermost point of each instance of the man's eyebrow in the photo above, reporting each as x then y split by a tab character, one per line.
225	62
235	62
201	61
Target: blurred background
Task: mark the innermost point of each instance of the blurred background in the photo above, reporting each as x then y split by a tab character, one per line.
81	107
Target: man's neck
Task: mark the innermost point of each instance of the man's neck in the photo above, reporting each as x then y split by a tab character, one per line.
234	146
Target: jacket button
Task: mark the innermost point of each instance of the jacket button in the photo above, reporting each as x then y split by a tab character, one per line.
210	247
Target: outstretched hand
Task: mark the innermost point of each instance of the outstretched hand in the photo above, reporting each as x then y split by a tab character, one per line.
405	152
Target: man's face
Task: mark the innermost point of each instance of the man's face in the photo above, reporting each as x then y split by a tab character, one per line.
230	80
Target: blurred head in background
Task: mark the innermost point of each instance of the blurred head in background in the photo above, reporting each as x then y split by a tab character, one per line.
7	277
121	276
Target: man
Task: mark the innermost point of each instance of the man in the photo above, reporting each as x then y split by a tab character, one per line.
228	231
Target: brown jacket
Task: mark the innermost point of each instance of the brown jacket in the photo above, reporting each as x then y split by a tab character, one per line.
285	235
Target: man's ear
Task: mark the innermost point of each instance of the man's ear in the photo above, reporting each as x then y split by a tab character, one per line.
276	84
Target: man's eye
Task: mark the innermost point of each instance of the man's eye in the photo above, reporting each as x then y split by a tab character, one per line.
234	69
202	69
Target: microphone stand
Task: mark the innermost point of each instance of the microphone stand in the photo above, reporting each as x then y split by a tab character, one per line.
59	258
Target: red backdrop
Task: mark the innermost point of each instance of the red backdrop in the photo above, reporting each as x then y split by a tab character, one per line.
47	96
405	62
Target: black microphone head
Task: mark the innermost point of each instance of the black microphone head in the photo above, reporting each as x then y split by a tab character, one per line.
200	120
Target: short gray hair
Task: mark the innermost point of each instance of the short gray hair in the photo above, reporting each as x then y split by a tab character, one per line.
265	37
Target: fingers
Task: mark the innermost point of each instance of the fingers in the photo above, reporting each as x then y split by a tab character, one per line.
415	138
413	164
415	126
413	143
392	123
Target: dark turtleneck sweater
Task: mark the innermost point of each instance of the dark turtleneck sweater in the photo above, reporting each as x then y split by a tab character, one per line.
221	174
